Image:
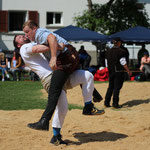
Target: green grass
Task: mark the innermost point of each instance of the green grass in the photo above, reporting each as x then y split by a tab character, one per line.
23	95
98	82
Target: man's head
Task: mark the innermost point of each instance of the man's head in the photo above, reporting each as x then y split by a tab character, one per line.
29	29
117	41
19	40
82	47
2	56
146	54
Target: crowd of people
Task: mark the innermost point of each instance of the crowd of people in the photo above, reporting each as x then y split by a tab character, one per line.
14	69
60	67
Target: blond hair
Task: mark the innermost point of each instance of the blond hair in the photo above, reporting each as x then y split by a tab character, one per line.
30	24
2	56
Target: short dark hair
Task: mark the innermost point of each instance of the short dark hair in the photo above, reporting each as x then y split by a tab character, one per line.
117	39
82	47
146	53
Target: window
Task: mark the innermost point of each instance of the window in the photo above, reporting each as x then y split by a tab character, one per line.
16	20
13	20
54	18
57	18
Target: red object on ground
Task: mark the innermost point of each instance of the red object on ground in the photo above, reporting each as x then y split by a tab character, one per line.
132	78
101	75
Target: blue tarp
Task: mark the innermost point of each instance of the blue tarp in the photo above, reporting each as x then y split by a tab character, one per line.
72	33
136	34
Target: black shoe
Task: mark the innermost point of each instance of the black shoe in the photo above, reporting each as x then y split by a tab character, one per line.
107	105
97	99
96	96
42	124
56	140
117	106
91	110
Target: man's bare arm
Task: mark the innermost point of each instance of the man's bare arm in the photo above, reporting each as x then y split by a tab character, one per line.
40	48
127	69
52	41
43	48
123	62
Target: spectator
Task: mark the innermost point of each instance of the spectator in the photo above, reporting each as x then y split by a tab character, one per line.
3	66
16	64
116	60
84	58
145	64
141	54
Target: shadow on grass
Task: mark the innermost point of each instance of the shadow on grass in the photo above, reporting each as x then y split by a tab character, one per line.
136	102
93	137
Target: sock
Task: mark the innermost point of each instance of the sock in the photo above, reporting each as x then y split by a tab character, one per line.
56	131
86	103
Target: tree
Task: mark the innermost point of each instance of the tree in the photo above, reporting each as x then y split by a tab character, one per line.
112	17
90	5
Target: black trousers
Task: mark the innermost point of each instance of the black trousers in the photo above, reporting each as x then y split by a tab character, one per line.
58	80
116	80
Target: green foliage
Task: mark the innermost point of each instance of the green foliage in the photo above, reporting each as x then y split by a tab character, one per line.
118	16
23	95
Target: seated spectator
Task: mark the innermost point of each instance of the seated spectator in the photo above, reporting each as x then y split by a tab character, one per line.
84	58
16	66
145	64
141	54
3	66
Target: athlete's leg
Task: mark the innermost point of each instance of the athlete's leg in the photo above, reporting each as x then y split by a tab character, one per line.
85	78
61	111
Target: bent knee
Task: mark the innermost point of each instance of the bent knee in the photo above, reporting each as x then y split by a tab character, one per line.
89	76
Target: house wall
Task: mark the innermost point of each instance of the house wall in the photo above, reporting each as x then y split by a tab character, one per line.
69	8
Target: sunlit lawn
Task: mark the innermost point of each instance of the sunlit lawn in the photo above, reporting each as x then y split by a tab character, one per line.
23	95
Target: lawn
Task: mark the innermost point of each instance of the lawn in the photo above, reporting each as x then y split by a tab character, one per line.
23	95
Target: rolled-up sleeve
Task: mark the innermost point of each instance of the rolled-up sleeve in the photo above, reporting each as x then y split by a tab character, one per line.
41	36
123	61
